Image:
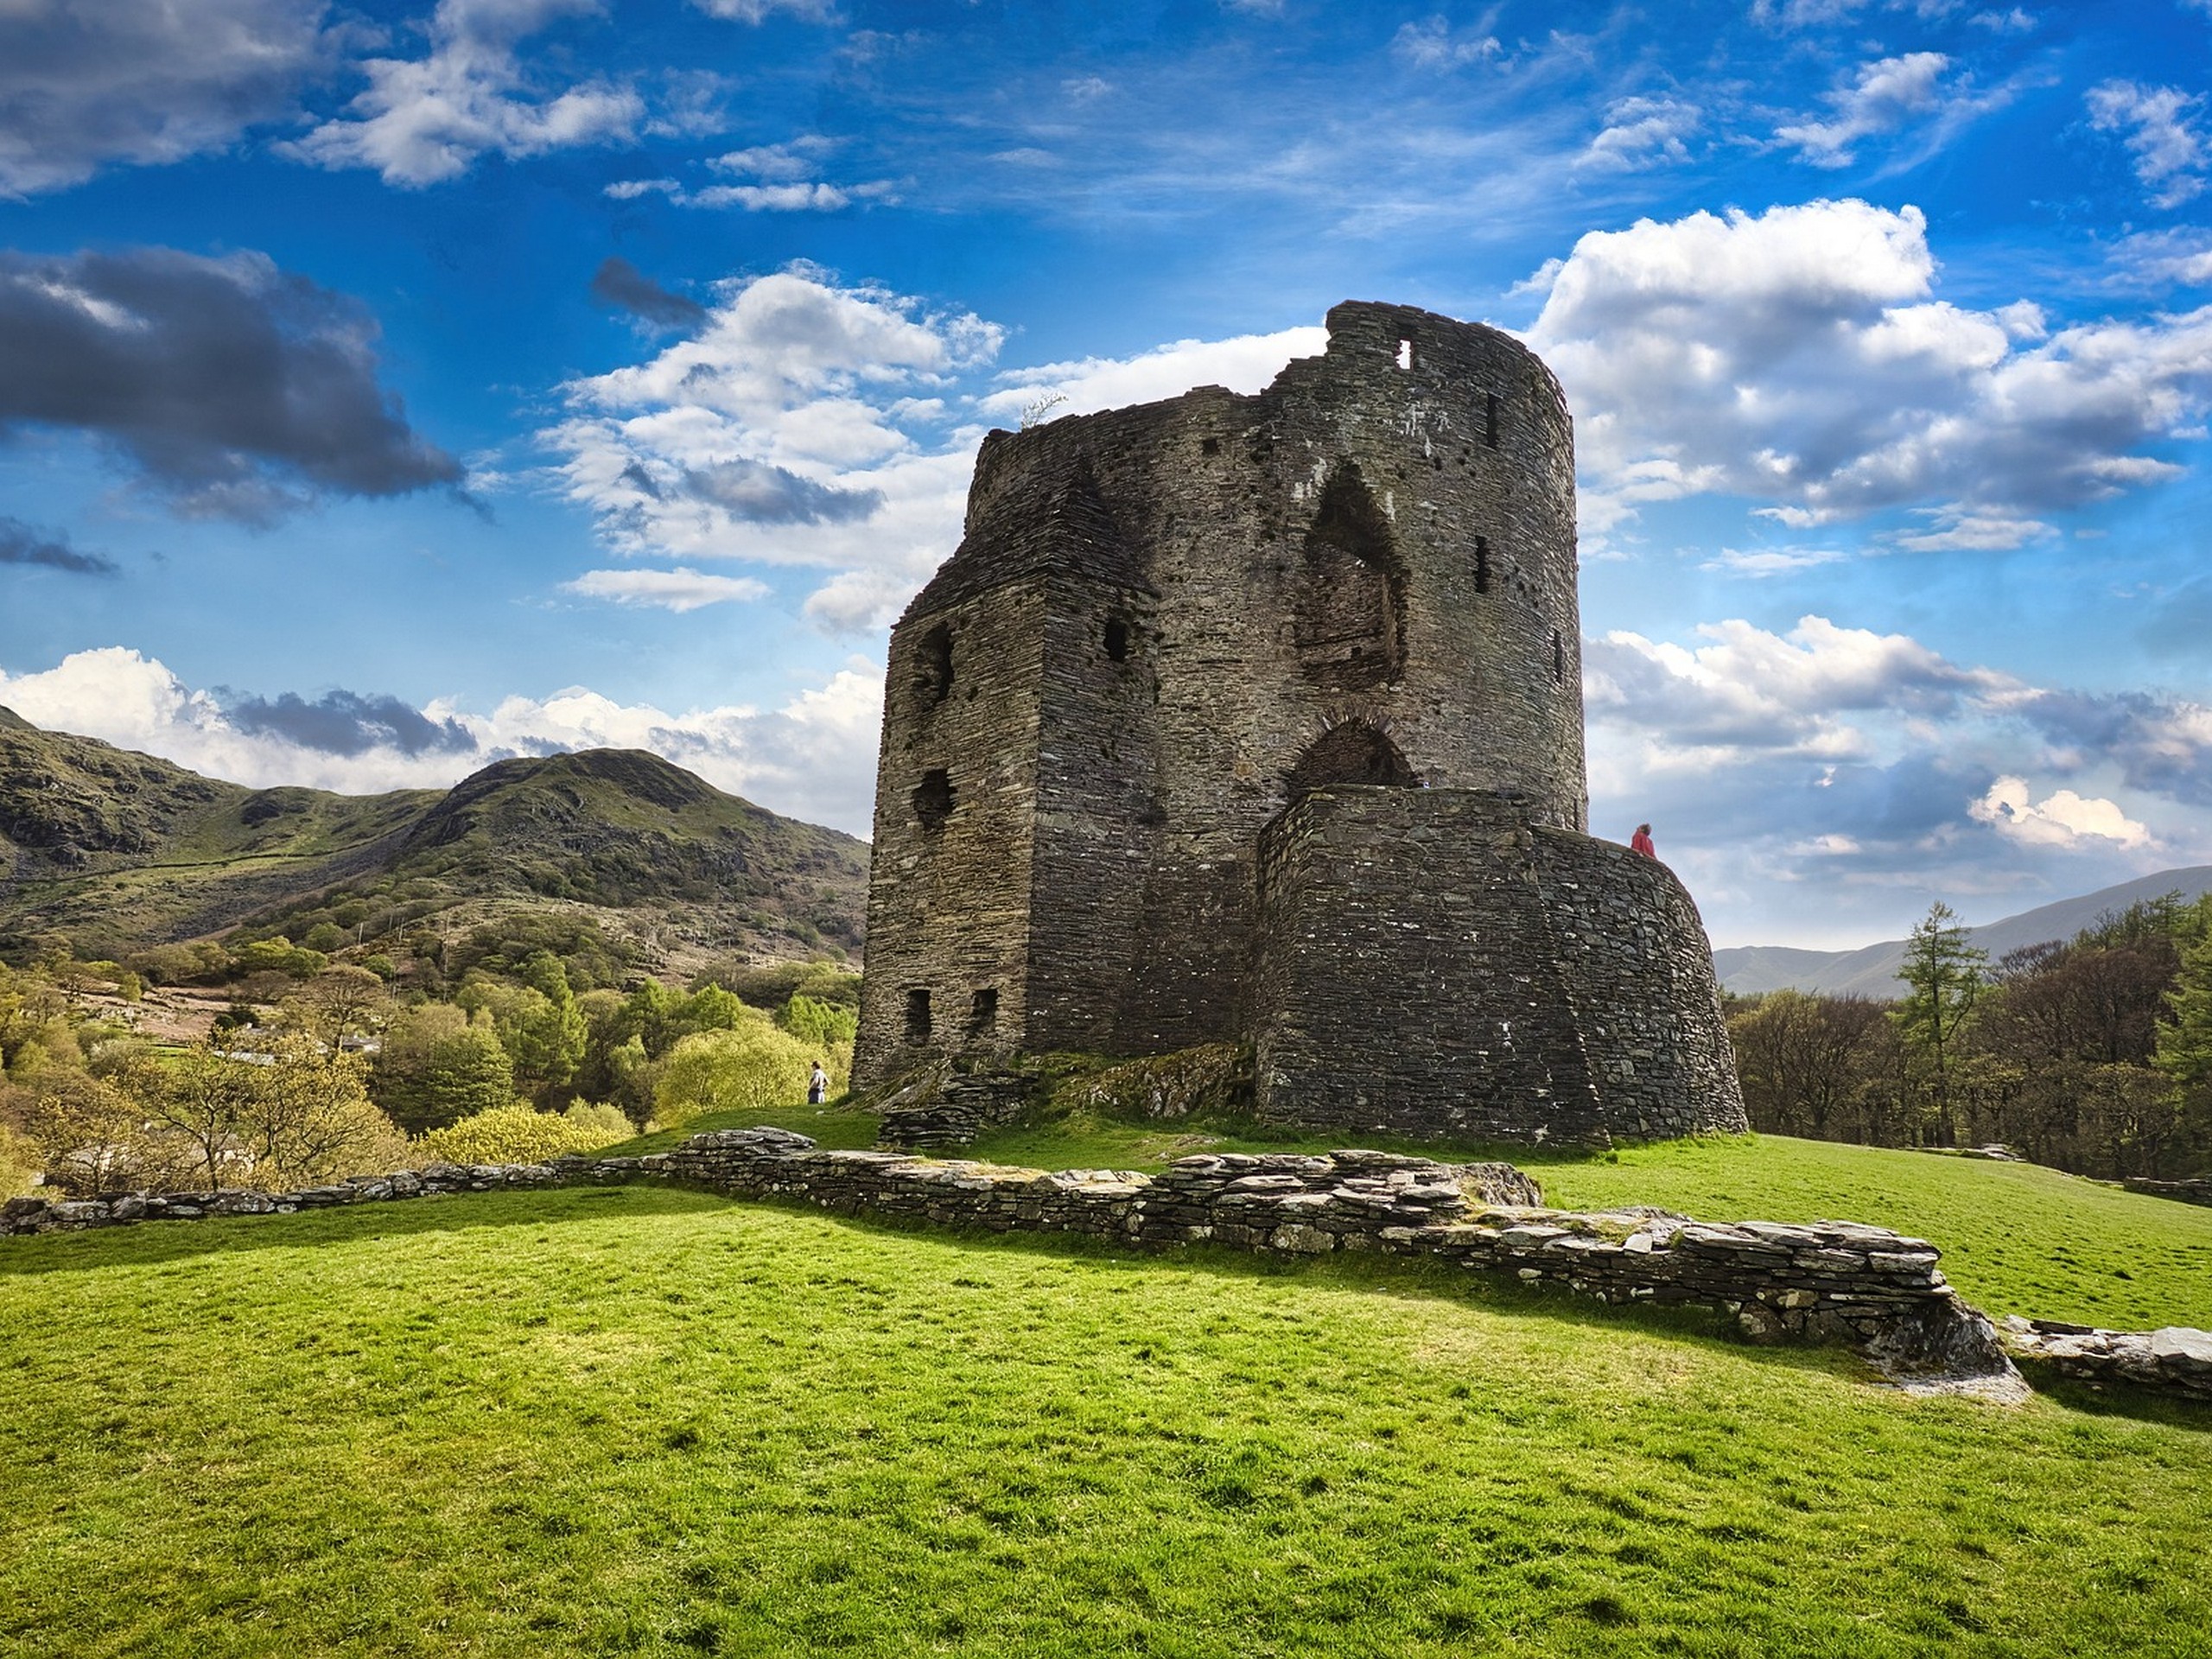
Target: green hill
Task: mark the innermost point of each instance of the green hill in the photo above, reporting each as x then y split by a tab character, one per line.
117	851
642	1421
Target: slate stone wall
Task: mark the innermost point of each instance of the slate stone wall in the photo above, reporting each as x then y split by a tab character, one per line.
1433	963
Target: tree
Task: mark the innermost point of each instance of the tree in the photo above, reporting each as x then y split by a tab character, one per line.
755	1068
2185	1044
436	1068
340	1002
1943	977
1805	1061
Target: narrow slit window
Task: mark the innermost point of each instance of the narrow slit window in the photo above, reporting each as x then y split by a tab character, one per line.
918	1016
983	1012
1490	419
1482	564
1558	659
933	666
1117	640
1405	355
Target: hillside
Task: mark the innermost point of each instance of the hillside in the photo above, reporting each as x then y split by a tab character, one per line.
1871	970
644	1420
117	851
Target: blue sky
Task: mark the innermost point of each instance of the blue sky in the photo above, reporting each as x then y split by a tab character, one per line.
385	388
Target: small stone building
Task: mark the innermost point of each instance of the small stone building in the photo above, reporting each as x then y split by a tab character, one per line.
1260	719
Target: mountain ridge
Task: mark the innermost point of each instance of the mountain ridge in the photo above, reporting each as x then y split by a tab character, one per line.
112	851
1871	970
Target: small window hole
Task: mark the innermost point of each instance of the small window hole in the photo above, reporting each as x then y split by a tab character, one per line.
1117	640
1490	419
983	1012
1405	355
1210	446
1482	564
933	665
918	1016
1558	659
933	798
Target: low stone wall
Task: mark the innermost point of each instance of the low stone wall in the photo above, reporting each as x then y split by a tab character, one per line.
2191	1192
1875	1291
2172	1360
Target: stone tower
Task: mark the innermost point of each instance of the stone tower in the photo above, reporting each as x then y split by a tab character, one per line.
1260	719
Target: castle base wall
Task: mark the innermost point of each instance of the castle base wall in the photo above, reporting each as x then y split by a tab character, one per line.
1432	963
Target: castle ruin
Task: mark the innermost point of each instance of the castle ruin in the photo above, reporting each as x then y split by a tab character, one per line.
1259	719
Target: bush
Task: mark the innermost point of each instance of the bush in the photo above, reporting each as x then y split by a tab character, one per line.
522	1134
755	1067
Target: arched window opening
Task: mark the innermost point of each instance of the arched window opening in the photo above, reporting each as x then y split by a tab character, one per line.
933	666
1348	601
918	1016
933	798
1117	640
1354	752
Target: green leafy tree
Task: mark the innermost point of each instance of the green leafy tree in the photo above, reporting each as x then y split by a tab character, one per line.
1943	978
755	1068
2185	1043
436	1068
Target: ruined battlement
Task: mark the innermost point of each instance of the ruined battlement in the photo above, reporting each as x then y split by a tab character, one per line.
1166	625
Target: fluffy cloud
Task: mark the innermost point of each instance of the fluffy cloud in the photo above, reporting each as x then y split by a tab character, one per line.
1874	771
228	387
1798	357
813	758
2061	819
1642	132
85	83
423	120
2159	131
804	424
1881	97
1433	44
21	544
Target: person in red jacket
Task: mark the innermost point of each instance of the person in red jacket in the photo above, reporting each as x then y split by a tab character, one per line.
1641	842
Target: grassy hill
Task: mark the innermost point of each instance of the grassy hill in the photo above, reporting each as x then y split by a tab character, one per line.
638	1421
117	851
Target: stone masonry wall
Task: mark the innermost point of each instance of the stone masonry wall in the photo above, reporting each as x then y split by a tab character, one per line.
1433	963
1825	1282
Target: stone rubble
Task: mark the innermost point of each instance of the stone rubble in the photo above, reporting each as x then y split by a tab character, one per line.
2174	1359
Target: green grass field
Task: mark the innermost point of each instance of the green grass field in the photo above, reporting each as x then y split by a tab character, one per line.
638	1421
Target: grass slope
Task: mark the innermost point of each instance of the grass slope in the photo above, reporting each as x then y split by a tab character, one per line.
645	1421
2015	1238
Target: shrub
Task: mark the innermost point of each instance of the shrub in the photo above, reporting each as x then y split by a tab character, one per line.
522	1134
755	1067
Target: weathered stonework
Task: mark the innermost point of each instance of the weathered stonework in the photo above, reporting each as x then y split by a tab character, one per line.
1168	625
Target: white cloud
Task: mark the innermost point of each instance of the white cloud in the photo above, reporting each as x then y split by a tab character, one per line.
812	758
781	180
1433	43
1642	132
1245	363
1798	359
756	11
87	83
680	590
2160	133
428	119
2061	819
1956	528
803	424
1883	97
1769	562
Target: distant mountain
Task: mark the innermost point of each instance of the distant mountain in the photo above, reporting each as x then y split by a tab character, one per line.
117	851
1871	970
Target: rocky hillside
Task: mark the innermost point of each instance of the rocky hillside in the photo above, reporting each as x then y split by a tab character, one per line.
117	851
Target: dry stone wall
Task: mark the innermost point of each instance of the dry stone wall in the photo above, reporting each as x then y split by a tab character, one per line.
1837	1282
